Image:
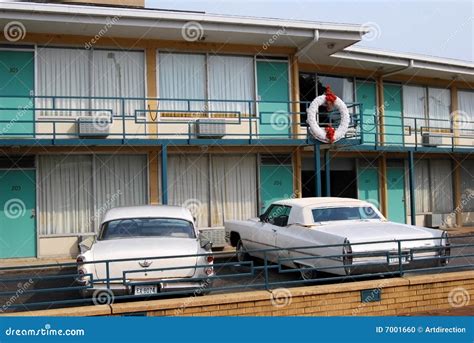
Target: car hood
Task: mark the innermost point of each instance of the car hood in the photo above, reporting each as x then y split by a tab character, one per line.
373	231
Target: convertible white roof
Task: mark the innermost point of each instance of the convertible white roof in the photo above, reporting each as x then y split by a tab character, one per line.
149	211
301	207
322	202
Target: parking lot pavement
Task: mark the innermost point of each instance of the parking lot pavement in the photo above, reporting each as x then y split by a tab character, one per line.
233	277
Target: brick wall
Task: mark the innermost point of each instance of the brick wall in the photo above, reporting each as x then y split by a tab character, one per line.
398	296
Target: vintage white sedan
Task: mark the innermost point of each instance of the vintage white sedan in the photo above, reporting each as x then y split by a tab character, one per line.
142	243
336	235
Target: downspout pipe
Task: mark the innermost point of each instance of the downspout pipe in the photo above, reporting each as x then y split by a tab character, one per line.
411	65
308	46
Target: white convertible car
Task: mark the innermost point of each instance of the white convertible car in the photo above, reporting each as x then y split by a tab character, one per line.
137	241
336	235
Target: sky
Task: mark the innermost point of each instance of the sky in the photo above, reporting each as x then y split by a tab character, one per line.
436	28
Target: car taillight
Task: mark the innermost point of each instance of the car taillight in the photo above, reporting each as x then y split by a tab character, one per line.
80	259
209	271
210	259
446	252
347	256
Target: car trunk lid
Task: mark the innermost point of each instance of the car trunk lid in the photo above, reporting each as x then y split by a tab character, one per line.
141	266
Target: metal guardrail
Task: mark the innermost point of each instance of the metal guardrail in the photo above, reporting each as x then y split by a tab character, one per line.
53	118
59	285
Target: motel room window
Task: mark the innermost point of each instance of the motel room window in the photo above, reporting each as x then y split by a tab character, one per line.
81	73
466	113
214	187
181	76
75	191
313	85
467	187
207	78
428	106
433	186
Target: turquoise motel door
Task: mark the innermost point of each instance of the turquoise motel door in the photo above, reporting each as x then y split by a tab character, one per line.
396	194
368	185
276	183
273	85
17	213
366	95
393	122
16	86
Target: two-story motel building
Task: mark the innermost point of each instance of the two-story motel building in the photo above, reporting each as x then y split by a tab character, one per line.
104	106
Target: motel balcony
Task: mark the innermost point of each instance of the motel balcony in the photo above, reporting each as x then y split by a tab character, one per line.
71	120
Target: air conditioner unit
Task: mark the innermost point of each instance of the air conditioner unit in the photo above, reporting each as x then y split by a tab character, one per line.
434	220
431	140
209	128
216	235
93	126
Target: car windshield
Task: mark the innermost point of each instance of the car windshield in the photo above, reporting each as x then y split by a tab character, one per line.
147	227
344	213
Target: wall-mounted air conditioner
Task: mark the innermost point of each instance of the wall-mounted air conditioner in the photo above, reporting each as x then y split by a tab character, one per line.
430	139
434	220
210	128
93	126
214	234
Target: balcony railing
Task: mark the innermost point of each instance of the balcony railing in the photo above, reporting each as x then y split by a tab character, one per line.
55	120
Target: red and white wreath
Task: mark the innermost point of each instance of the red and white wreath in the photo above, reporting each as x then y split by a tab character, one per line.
328	134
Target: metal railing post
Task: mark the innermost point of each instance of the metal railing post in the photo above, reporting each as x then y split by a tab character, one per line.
317	168
400	264
411	181
107	272
265	269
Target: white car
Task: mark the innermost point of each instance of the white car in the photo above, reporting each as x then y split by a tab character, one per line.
139	243
346	236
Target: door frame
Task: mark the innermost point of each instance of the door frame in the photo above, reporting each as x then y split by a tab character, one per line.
33	49
402	117
405	195
36	208
278	59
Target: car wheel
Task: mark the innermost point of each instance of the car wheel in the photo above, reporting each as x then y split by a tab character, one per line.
241	252
307	274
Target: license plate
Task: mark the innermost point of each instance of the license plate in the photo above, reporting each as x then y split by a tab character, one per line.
146	290
395	260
